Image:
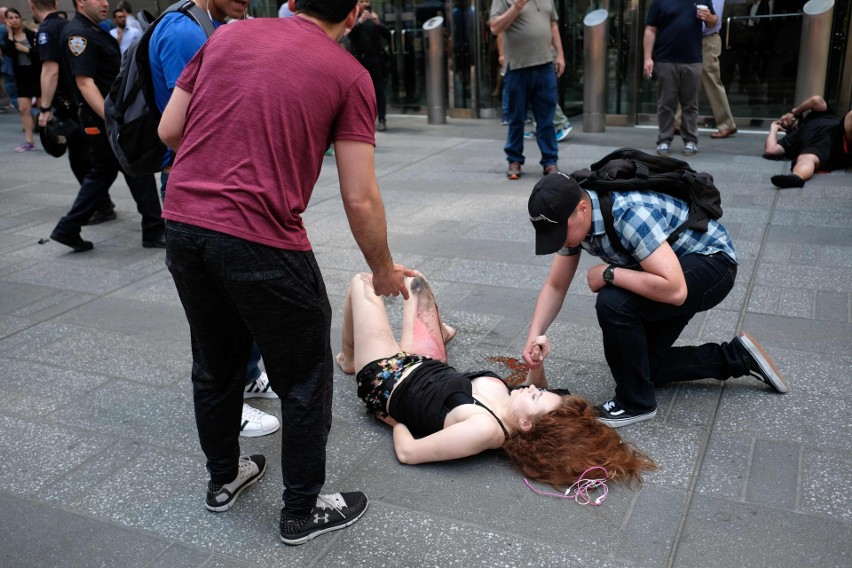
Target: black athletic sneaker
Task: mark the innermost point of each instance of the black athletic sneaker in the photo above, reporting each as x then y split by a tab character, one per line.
332	512
222	497
614	415
760	365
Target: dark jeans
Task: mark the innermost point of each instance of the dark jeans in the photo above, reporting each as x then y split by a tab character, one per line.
638	334
234	291
95	190
533	87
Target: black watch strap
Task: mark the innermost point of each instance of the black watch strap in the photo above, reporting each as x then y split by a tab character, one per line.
44	109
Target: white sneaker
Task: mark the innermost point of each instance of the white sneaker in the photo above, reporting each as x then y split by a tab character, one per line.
663	149
257	423
259	388
529	134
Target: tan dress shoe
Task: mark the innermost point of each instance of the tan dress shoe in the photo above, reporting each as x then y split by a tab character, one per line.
724	133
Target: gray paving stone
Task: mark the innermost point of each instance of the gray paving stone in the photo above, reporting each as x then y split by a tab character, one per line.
774	474
95	355
826	477
35	536
37	454
731	534
434	540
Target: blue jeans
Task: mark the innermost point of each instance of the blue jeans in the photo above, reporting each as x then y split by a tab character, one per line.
534	87
638	334
234	291
11	89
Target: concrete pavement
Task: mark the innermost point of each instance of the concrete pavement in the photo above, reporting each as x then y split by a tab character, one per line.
100	459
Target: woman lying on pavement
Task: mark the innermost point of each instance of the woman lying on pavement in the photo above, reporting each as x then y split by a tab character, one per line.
438	413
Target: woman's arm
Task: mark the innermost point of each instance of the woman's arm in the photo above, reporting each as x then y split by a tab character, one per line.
471	436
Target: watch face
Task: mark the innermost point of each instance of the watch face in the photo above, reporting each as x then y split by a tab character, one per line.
607	275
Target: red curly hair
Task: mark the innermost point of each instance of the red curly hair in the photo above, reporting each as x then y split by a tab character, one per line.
566	442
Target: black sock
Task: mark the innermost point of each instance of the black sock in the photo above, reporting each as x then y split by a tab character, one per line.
791	180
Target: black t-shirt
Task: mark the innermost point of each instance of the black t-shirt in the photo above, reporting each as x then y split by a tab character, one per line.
90	52
810	132
678	30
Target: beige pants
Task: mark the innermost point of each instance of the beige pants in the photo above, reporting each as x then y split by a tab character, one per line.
711	81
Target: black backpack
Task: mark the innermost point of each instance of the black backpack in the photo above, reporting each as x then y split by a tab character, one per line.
628	169
130	111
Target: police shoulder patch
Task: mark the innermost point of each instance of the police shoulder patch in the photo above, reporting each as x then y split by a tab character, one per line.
77	44
42	38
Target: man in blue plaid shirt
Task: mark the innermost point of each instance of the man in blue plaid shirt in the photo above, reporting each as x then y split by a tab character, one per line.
644	299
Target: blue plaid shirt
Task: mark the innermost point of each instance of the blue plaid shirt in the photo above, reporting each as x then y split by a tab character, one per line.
644	220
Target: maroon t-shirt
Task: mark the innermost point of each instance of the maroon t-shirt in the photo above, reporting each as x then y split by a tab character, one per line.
269	96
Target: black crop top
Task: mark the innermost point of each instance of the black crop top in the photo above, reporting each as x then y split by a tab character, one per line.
429	392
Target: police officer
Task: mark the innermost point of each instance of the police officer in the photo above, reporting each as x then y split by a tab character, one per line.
93	59
57	101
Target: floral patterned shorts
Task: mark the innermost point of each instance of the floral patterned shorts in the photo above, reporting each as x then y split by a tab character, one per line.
377	379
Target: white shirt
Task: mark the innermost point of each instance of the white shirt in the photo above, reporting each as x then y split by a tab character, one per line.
129	36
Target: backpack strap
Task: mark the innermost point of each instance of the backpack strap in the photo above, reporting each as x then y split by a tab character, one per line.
191	9
201	17
605	201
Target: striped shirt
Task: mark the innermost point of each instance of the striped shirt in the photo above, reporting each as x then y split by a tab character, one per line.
644	220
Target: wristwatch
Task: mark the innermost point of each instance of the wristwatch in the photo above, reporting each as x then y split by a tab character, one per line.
608	273
44	109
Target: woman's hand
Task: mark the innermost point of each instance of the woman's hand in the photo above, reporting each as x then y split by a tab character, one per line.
386	418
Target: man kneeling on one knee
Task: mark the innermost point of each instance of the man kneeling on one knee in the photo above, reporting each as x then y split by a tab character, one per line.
644	299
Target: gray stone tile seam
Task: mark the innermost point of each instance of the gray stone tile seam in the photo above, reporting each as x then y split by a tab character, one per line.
109	378
800	478
23	184
211	555
748	470
693	481
514	535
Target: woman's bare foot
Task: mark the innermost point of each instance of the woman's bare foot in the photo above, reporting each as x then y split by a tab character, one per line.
447	332
346	366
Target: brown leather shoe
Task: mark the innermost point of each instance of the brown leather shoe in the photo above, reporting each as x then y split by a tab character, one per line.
550	169
724	133
514	171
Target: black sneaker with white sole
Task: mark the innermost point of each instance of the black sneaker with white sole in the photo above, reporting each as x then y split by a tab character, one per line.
614	415
760	365
222	497
333	511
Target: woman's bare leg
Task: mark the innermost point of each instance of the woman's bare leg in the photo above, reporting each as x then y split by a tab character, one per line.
423	332
367	334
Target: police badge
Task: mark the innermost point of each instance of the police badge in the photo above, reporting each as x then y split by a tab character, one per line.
77	44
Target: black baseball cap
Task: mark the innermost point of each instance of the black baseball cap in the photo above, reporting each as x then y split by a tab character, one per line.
552	201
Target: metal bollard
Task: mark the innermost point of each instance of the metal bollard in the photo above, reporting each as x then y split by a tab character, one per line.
436	75
595	36
813	49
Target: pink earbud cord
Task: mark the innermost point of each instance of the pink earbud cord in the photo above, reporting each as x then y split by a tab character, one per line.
579	490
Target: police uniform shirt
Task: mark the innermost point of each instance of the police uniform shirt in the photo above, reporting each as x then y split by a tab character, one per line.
90	52
50	49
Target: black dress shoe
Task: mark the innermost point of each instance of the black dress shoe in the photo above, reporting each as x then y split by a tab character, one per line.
76	242
157	243
102	217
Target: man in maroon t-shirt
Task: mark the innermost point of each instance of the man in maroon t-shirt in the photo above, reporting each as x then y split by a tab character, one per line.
237	246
